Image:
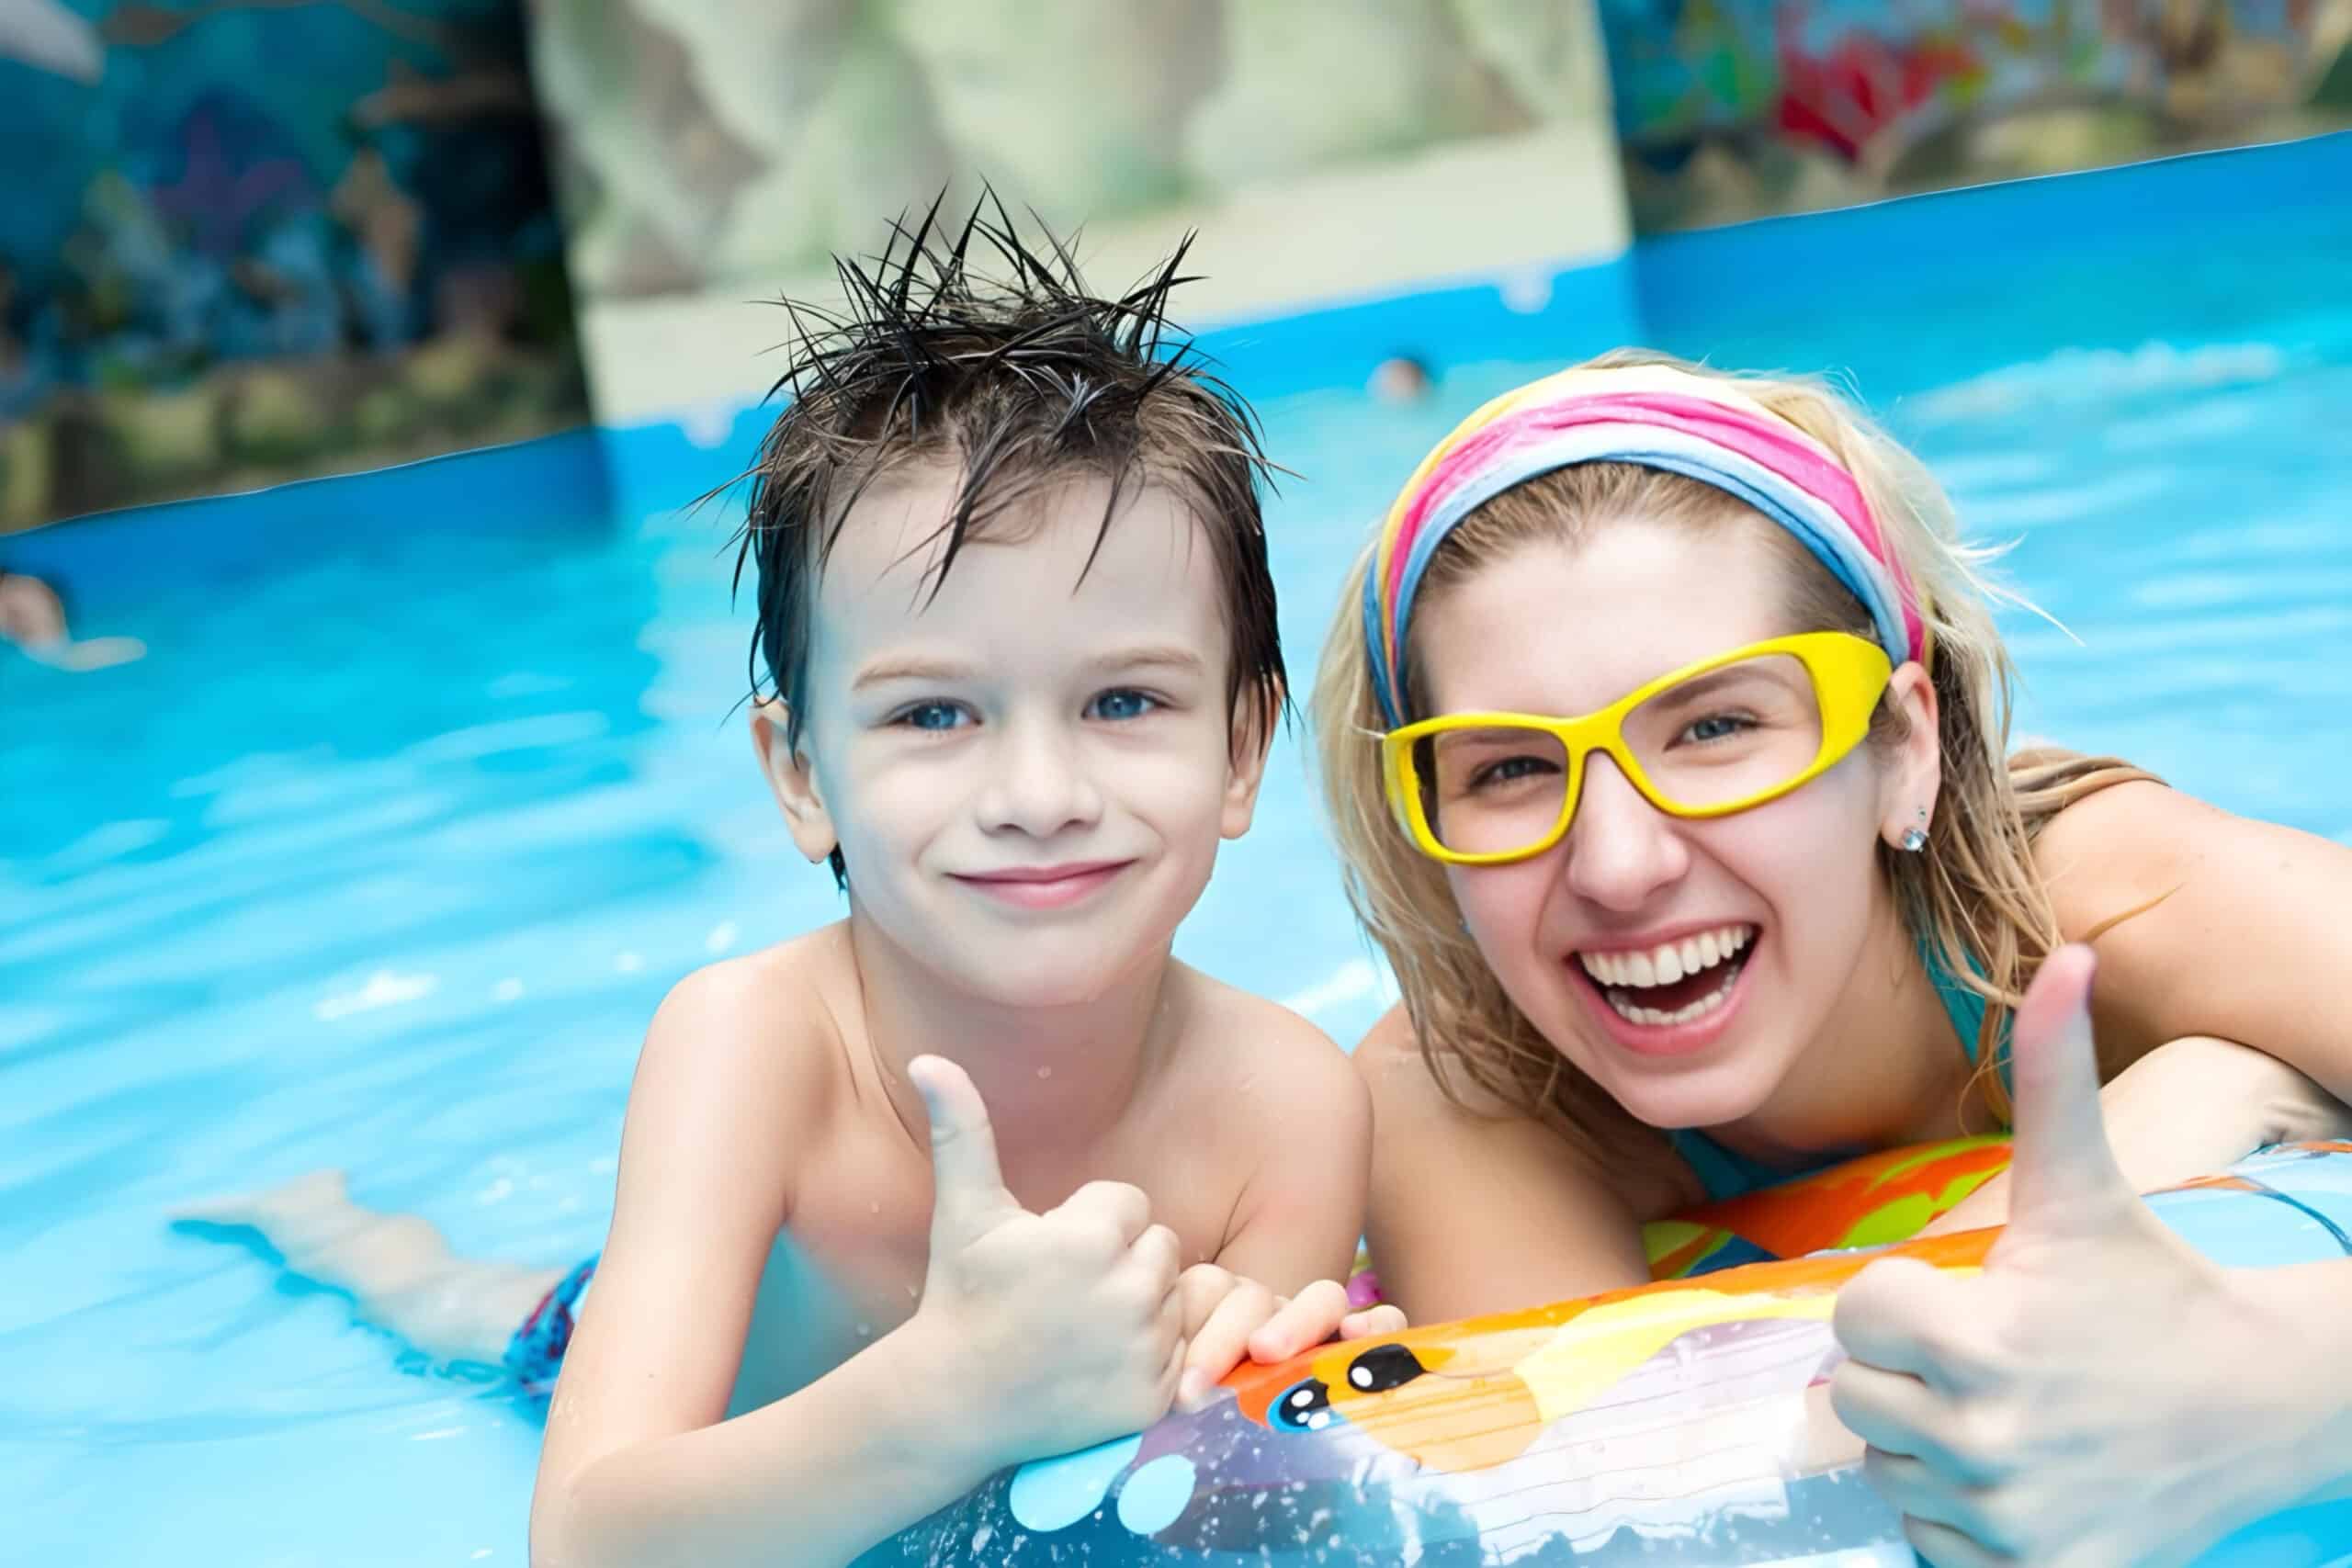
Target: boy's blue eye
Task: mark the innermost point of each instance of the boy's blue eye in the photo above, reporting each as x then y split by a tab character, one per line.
932	716
1121	704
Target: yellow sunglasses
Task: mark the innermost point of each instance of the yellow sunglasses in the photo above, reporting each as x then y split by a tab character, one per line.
1721	736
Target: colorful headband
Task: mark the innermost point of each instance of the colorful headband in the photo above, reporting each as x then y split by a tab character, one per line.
1658	417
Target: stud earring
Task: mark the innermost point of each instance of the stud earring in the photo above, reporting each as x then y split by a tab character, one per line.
1915	839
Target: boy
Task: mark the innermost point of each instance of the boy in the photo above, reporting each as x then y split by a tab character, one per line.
979	1173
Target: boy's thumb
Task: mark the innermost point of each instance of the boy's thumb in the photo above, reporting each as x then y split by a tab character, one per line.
2063	1177
968	1194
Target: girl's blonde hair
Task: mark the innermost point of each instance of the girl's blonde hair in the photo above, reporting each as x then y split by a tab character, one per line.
1972	894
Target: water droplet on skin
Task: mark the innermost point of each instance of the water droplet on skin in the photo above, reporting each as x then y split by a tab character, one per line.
1044	1072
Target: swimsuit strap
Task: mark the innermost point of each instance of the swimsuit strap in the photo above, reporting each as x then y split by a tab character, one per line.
1726	1173
1965	1007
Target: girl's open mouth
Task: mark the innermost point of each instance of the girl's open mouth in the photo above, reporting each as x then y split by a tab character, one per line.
1673	983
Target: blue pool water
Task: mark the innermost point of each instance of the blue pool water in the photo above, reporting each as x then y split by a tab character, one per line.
382	858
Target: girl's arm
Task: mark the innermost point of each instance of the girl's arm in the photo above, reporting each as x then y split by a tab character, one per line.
2218	1031
1473	1213
2243	936
2186	1108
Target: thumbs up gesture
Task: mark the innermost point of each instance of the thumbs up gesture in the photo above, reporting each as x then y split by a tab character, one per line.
2100	1393
1060	1330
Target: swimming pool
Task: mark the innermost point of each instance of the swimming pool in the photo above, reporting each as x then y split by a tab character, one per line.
383	859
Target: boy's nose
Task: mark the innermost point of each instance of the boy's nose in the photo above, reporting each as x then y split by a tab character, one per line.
1040	784
1621	848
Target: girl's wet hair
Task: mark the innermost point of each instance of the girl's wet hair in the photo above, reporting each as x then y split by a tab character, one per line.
1020	377
1973	894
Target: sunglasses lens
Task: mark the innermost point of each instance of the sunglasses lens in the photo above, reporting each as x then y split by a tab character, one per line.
1729	734
1491	790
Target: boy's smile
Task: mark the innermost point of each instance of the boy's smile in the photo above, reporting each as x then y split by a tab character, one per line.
1044	886
1027	763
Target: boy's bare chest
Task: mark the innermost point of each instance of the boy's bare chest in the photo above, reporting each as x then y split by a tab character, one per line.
849	1266
866	1222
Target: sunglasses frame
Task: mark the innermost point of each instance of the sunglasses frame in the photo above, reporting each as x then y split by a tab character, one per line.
1849	675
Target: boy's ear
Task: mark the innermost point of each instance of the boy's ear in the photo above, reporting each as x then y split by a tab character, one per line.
792	779
1255	714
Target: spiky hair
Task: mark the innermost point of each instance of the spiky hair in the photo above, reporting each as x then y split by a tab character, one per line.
1020	377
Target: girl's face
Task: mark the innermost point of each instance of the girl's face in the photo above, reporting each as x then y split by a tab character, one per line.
1683	964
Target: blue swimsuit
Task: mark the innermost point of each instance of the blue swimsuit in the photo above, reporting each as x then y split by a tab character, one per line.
1726	1173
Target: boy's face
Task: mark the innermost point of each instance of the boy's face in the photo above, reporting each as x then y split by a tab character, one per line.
1029	774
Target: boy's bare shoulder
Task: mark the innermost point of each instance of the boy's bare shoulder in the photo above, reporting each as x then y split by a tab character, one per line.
1263	1053
770	1020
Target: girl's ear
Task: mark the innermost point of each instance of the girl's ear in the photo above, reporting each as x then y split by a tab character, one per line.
792	778
1907	797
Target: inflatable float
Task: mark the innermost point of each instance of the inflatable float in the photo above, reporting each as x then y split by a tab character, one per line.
1684	1422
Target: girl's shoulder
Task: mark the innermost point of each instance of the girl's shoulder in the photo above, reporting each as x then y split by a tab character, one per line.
2109	840
2206	923
2051	780
1434	1097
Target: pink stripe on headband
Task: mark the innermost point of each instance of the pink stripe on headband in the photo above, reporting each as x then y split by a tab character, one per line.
1768	441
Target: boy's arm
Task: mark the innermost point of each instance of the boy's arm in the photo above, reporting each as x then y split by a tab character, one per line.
1278	1284
1301	1214
638	1467
1038	1334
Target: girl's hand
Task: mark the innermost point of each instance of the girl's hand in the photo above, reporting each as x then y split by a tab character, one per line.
2100	1393
1226	1316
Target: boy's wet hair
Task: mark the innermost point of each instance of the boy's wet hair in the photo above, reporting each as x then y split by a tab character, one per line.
1022	378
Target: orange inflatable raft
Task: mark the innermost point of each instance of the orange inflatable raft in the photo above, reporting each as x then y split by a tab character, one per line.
1685	1422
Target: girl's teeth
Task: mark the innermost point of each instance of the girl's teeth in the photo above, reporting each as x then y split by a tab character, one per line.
1657	1018
1669	962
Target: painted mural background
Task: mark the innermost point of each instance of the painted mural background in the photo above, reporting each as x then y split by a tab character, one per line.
1728	109
251	240
701	144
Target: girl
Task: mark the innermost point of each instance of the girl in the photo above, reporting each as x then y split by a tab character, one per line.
1664	729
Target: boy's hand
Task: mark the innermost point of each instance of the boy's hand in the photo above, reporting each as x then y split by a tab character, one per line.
1063	1329
1225	1315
